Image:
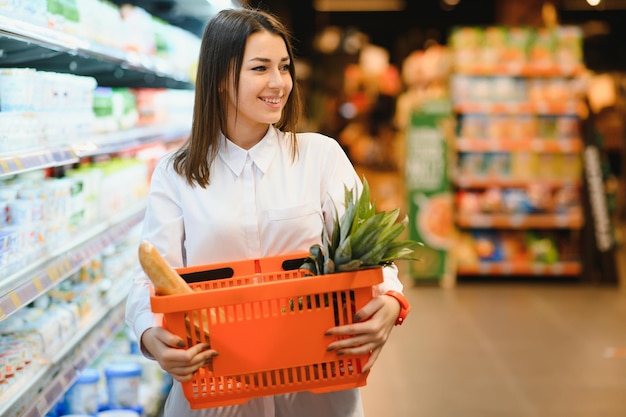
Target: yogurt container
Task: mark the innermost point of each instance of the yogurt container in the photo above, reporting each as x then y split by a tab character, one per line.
82	397
123	380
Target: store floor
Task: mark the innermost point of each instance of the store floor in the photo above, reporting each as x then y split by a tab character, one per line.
504	350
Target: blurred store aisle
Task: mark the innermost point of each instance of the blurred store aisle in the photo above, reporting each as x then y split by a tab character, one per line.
504	350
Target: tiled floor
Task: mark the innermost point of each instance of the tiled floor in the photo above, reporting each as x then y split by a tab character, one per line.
497	350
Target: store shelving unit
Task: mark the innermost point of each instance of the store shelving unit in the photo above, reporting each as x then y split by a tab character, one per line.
518	128
28	45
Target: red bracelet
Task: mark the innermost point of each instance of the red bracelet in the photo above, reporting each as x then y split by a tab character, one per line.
405	307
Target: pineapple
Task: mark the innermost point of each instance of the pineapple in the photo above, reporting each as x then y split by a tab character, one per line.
361	238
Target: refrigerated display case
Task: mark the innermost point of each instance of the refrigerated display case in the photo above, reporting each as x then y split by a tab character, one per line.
38	258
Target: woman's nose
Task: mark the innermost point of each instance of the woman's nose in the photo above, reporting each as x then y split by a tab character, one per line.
276	79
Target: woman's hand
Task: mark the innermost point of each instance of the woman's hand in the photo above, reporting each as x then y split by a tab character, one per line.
369	333
171	353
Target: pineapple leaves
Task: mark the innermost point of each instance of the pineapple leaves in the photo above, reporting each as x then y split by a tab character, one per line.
361	237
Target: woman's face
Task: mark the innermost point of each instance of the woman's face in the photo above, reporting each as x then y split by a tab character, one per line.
264	86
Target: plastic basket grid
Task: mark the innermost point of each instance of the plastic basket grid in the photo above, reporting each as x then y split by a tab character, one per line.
268	328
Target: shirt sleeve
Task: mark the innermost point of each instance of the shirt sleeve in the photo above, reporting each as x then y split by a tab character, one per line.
163	228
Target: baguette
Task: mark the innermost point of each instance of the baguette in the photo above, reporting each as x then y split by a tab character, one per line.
166	281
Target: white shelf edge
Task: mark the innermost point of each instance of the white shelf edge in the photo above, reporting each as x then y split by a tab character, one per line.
24	286
36	395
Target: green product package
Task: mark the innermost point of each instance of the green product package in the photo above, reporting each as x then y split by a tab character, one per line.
429	189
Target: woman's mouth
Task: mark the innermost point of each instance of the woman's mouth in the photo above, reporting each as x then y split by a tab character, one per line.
272	100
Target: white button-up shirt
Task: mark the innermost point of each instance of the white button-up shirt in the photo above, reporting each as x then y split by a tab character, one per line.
259	203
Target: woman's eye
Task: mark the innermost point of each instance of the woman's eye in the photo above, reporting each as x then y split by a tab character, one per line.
285	67
259	68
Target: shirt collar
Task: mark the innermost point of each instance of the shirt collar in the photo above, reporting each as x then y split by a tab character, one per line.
261	153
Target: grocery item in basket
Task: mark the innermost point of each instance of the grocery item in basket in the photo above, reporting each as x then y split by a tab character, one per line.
362	238
165	279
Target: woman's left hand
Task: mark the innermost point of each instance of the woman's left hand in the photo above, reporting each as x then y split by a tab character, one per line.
369	332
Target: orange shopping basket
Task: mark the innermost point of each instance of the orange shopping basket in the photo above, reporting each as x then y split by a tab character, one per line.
267	319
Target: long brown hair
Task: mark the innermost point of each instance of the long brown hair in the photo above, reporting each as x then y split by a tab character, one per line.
221	54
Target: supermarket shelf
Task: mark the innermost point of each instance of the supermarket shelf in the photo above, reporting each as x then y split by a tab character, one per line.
574	145
519	69
36	159
467	181
522	268
556	108
572	220
24	286
36	393
27	44
127	140
96	144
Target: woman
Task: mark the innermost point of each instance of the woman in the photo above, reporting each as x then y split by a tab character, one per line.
245	186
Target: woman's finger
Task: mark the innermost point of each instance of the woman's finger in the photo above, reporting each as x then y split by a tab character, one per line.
372	359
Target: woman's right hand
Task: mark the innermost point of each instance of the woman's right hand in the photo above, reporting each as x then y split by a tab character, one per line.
173	356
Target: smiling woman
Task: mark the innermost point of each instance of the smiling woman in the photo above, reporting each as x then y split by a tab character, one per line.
264	87
246	186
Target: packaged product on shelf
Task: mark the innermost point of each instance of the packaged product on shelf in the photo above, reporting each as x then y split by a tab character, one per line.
466	42
523	127
569	49
472	126
567	127
122	379
541	247
571	167
487	245
491	200
493	45
515	201
516	49
83	395
17	89
470	165
524	165
541	51
497	164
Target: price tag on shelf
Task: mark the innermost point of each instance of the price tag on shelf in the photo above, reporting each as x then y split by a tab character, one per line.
478	220
566	145
558	268
507	268
37	284
538	268
4	166
562	220
537	145
485	268
15	299
492	144
542	107
27	292
53	274
517	219
510	107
